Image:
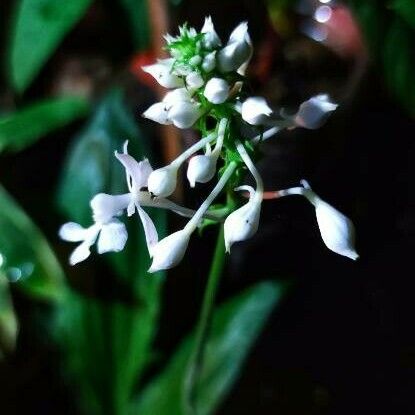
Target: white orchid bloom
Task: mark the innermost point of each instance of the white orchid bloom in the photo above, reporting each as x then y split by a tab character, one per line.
162	72
202	168
111	236
216	90
314	112
237	53
177	108
211	39
255	111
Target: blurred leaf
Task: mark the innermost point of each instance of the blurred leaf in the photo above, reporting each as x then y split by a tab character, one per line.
117	333
26	256
236	326
137	13
39	27
406	8
8	321
399	63
21	129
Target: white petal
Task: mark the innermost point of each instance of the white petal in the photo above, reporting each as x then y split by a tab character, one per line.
158	112
138	172
255	110
150	230
72	232
162	73
314	112
169	251
216	90
81	253
105	207
184	114
176	96
201	169
240	33
194	80
112	237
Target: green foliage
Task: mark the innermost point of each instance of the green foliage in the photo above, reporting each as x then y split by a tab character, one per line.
236	326
123	327
137	14
26	256
389	32
22	128
39	27
8	321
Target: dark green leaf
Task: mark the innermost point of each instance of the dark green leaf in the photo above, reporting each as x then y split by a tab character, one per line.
23	128
26	256
39	27
117	333
137	13
406	8
236	326
8	321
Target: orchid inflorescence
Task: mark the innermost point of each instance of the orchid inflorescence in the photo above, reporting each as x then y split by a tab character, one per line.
206	83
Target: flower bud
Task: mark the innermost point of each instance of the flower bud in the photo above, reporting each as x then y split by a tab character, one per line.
238	50
243	222
209	62
201	169
184	114
314	112
337	231
158	112
217	90
162	182
162	73
194	80
211	39
169	251
176	96
255	110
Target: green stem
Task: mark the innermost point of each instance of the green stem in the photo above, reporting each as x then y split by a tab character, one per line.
203	328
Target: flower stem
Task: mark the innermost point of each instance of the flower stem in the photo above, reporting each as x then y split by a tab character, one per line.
195	366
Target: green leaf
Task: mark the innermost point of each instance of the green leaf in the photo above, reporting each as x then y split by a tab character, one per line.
39	27
406	9
8	320
26	256
236	326
136	12
399	63
21	129
118	332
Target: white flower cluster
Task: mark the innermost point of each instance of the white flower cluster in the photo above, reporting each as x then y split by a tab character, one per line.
205	80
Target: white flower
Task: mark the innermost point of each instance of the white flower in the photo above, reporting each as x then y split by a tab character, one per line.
337	231
162	182
169	251
184	114
243	222
194	80
111	235
211	39
238	51
209	62
162	73
314	112
201	169
216	90
255	111
158	112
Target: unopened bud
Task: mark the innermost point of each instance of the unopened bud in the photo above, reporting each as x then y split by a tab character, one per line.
217	90
162	182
